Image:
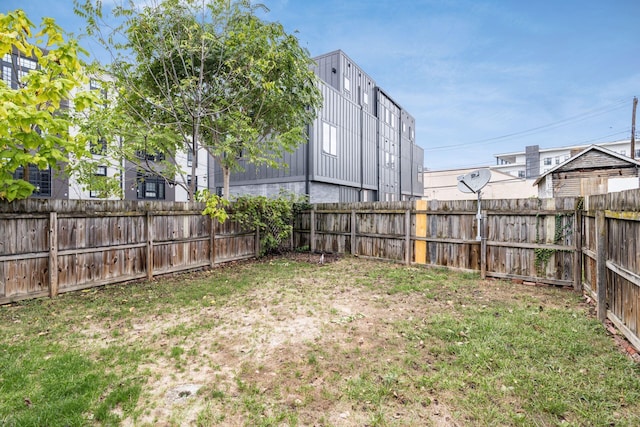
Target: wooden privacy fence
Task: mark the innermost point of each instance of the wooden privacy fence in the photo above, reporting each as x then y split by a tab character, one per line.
591	243
524	239
54	246
611	258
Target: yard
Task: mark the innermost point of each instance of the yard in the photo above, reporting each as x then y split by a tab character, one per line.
292	341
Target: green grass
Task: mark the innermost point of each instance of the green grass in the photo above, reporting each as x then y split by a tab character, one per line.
393	345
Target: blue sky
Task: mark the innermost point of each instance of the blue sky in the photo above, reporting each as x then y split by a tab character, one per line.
481	77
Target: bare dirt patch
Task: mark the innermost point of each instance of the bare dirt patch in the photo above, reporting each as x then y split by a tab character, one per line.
300	351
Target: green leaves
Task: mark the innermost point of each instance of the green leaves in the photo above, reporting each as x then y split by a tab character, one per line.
208	75
34	126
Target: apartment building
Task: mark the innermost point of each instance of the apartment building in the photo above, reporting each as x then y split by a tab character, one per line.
48	185
536	161
361	146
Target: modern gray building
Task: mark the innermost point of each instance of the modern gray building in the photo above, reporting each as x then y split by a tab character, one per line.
361	146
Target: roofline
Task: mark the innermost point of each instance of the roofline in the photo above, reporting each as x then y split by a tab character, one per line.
582	146
589	148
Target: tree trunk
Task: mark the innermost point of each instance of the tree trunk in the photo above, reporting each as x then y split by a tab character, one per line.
226	174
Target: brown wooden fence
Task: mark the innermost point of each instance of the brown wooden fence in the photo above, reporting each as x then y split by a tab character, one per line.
611	259
53	246
529	239
566	241
48	247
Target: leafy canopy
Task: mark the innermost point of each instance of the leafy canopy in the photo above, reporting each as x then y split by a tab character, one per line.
35	125
205	76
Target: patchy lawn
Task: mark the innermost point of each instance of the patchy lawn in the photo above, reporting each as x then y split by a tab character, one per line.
290	341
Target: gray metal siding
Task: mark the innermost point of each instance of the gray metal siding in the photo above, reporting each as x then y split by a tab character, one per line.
388	114
344	166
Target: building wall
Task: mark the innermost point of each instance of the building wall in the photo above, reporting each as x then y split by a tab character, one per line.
443	185
523	163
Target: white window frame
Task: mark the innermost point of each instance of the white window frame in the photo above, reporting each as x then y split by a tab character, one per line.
329	139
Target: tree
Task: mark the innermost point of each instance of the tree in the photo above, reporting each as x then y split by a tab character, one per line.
206	74
35	124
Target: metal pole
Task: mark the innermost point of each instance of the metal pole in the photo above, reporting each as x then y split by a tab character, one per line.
479	218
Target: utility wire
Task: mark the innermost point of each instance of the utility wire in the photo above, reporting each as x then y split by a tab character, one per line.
619	104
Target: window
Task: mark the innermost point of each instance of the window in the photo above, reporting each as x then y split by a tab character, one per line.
6	57
6	75
99	147
521	174
411	135
101	171
154	157
365	98
390	160
557	160
419	173
547	161
189	182
41	179
190	158
347	84
27	63
329	139
151	187
637	154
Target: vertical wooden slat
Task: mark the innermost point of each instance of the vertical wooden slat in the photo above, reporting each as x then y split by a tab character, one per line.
577	258
312	231
420	246
601	264
484	231
148	225
212	242
407	237
354	245
53	254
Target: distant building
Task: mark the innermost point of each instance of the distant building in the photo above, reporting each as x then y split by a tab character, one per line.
594	170
14	67
535	161
443	185
361	146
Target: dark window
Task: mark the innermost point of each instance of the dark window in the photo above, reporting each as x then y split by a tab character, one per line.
190	158
520	174
151	187
154	157
547	161
99	146
41	179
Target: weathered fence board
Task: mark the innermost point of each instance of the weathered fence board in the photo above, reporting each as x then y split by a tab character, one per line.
57	246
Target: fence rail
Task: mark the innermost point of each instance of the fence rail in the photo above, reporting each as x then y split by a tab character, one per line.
60	246
50	247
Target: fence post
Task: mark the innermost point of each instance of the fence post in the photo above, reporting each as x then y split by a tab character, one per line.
148	225
53	254
601	264
484	232
212	241
354	246
407	237
577	261
420	246
312	230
